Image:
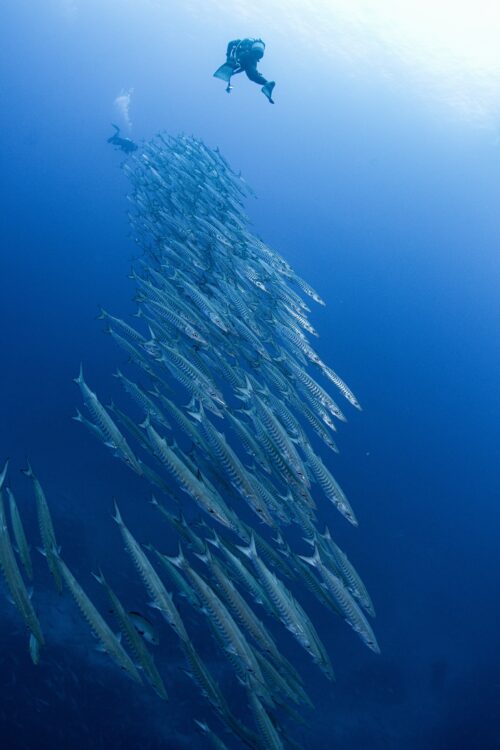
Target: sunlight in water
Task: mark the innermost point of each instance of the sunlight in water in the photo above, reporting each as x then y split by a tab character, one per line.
449	49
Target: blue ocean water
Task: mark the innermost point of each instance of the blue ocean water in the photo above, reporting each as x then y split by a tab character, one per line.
384	206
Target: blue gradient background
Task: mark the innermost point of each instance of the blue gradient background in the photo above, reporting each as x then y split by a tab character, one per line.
391	212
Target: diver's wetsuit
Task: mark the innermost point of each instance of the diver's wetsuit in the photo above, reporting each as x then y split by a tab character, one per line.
242	55
125	144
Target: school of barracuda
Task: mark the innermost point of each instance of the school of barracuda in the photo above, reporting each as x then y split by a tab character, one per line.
234	404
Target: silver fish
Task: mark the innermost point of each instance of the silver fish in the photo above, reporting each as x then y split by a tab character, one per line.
110	643
161	599
20	535
351	611
13	578
50	547
128	626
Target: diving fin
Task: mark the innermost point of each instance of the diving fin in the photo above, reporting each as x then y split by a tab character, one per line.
267	90
224	72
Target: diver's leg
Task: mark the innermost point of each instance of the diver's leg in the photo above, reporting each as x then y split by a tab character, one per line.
115	135
254	75
267	86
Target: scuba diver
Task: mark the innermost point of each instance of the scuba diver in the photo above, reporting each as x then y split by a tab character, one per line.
125	144
243	56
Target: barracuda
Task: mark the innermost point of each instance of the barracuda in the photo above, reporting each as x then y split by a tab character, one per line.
12	574
232	638
223	322
134	640
287	608
162	600
110	643
207	500
113	435
330	486
350	609
23	547
50	547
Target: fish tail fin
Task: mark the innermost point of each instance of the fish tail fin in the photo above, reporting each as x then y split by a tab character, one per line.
251	550
248	384
79	379
117	516
205	556
279	538
179	561
146	423
102	314
215	541
202	725
197	414
28	472
315	560
118	373
264	391
4	472
99	577
192	403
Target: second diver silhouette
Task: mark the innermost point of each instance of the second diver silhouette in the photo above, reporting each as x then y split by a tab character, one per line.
126	145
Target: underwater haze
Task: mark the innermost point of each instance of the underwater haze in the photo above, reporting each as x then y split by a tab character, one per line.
374	175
